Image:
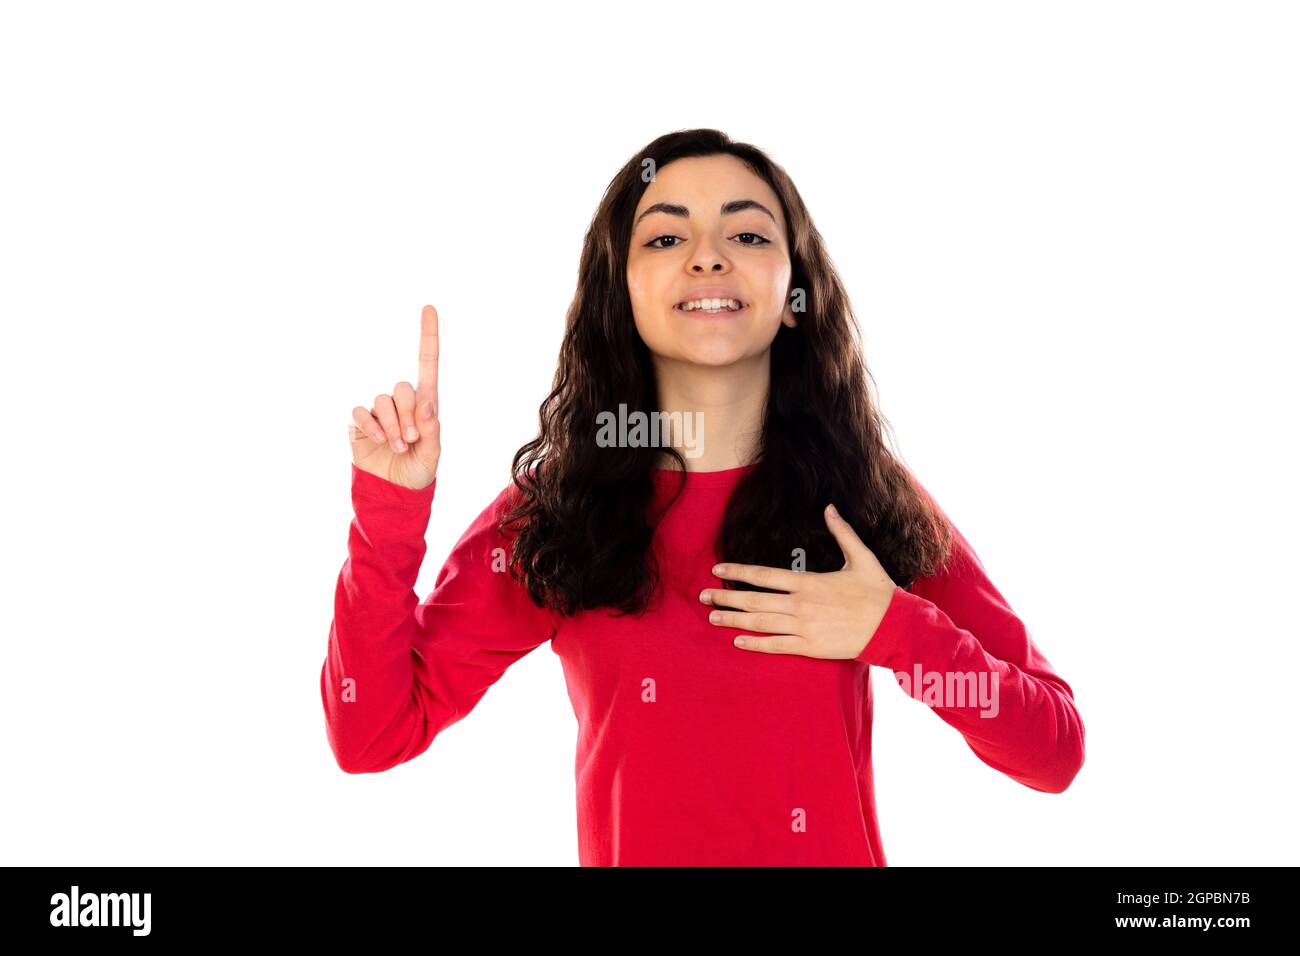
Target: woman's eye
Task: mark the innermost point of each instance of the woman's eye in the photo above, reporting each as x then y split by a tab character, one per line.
763	239
652	242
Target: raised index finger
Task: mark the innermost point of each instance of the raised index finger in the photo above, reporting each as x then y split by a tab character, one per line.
427	386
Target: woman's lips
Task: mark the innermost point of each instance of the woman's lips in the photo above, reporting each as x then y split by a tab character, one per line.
701	314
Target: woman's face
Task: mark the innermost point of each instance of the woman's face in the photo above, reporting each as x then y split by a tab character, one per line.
701	247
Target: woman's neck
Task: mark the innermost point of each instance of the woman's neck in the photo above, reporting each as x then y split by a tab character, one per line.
725	407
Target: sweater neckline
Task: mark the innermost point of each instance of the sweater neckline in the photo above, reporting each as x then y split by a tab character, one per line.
726	478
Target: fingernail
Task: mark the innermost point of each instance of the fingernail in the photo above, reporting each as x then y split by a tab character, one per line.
378	436
400	445
833	512
714	615
704	597
412	434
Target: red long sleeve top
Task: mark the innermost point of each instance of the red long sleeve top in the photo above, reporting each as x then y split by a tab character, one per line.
690	751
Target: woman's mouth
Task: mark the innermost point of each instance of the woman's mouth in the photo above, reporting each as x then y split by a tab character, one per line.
711	308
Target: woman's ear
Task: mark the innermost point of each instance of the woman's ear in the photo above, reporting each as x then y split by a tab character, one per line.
787	316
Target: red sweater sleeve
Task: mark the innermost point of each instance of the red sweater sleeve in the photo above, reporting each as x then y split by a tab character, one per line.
957	622
399	671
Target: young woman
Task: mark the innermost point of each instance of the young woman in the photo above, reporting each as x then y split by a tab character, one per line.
724	709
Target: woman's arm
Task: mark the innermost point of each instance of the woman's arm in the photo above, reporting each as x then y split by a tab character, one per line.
957	625
398	672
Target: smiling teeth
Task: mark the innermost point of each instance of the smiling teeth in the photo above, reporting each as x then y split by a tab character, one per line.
710	305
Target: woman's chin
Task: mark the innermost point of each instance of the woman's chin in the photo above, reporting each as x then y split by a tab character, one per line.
714	358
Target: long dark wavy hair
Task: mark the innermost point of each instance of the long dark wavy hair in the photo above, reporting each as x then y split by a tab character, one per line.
582	522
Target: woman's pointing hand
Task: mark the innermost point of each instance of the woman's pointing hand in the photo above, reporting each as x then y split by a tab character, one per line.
398	437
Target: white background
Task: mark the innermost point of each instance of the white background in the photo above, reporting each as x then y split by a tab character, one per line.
1070	235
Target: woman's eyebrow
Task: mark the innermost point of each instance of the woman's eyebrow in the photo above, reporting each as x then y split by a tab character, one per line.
674	209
